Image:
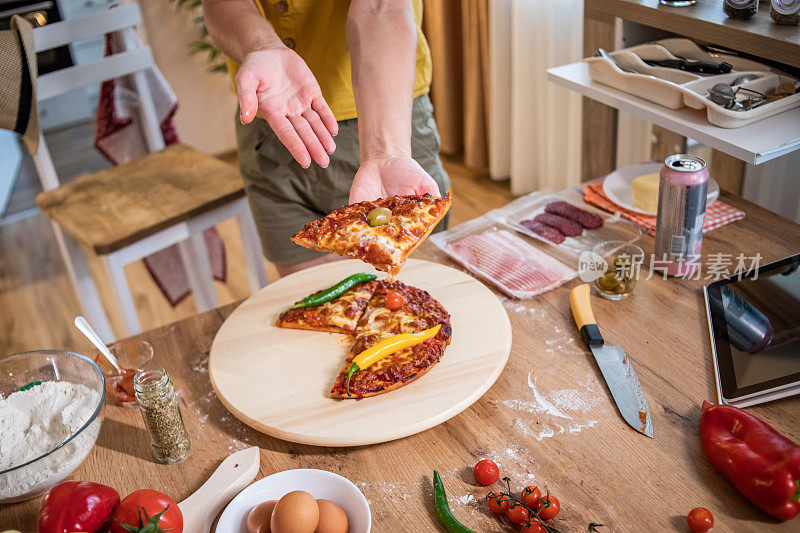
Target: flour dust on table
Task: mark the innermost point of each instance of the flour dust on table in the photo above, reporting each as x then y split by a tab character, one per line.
36	420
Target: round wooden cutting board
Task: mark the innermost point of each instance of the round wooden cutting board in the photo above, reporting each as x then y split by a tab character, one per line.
278	380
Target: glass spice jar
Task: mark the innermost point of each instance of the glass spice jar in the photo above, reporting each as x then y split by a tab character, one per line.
158	403
740	9
786	12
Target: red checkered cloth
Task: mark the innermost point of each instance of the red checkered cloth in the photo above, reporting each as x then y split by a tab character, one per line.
718	214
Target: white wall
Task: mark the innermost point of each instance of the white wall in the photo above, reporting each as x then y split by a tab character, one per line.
207	104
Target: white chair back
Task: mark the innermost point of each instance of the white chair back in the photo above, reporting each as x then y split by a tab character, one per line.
132	61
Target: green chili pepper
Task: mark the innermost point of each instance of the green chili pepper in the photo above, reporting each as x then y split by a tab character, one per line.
443	508
334	292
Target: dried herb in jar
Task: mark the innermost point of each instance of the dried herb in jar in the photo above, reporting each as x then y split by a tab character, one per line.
740	9
785	12
158	403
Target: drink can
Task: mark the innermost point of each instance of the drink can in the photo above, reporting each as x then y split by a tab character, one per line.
682	191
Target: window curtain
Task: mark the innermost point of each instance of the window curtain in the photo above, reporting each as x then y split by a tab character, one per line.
535	125
490	90
458	34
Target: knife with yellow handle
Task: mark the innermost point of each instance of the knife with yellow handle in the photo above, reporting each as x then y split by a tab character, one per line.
614	364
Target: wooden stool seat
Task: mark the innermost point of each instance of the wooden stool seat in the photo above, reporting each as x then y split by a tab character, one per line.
114	208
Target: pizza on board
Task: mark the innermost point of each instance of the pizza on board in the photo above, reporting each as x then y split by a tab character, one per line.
351	231
419	311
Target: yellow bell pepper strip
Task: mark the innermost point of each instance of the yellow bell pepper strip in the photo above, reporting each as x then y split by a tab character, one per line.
379	350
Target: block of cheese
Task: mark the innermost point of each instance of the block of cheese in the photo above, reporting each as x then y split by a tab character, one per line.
645	192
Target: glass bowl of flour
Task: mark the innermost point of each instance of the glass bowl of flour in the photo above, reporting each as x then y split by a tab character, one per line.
50	403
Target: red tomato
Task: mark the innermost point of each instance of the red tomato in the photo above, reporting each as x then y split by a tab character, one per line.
147	504
394	300
548	511
700	520
530	496
76	506
493	501
486	472
517	514
504	503
533	527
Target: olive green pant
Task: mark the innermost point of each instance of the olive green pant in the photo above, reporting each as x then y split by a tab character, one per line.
284	196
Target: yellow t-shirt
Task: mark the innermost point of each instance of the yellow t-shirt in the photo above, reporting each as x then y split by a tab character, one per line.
315	29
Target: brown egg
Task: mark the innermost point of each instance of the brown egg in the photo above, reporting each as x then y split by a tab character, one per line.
296	512
331	518
259	517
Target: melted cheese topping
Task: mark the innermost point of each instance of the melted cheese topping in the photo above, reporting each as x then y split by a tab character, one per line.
347	232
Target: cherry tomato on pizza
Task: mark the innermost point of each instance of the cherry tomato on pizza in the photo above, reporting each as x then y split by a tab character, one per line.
700	520
548	507
147	510
530	496
486	472
517	514
394	300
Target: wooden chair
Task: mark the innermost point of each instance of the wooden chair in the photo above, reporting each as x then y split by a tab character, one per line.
130	211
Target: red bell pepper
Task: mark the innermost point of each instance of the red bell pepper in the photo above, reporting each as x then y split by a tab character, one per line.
763	464
77	506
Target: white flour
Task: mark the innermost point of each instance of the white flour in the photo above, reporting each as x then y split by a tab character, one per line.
33	422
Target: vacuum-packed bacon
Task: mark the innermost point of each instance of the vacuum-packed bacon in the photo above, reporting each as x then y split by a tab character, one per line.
514	266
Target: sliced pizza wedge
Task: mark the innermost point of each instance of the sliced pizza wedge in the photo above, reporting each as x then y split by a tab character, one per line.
382	233
413	311
340	315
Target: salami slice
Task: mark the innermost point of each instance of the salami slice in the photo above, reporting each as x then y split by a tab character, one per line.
543	230
568	227
584	218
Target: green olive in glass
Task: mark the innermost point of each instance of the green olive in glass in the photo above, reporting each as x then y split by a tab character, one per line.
379	216
623	261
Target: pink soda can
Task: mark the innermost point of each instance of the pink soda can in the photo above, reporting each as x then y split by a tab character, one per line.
682	191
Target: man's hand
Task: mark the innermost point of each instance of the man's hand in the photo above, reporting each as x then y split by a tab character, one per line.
389	176
278	84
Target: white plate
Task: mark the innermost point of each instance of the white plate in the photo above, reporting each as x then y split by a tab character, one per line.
319	483
617	186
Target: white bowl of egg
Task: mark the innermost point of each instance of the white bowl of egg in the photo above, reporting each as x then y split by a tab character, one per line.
298	501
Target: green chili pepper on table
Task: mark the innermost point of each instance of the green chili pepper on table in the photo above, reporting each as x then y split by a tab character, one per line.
334	292
449	521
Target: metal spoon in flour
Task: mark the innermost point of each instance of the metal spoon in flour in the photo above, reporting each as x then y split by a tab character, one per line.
87	330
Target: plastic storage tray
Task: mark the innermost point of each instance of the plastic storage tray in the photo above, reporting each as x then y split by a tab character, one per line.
674	89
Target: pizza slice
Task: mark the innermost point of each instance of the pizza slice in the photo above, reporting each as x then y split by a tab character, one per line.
339	315
382	233
412	311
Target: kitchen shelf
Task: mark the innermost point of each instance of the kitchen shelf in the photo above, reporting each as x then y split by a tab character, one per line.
756	143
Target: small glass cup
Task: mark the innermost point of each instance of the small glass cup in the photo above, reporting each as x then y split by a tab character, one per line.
623	265
132	355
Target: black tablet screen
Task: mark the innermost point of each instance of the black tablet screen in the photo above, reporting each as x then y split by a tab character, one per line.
756	322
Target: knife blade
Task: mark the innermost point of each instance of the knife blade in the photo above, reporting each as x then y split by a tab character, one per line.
614	365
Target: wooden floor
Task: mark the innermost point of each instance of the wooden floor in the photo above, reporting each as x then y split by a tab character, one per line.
38	304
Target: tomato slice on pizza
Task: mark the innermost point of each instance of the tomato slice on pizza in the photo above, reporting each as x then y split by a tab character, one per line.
382	232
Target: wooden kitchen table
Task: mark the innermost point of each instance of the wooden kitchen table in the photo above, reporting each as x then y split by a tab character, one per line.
548	420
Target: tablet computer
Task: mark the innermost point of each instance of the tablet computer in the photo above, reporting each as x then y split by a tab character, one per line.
754	323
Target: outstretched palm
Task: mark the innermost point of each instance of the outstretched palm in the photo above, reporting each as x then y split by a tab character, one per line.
278	84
